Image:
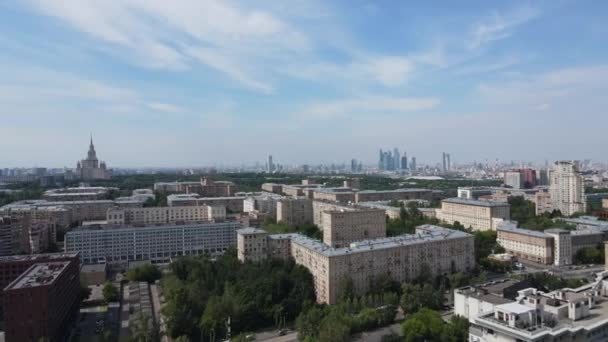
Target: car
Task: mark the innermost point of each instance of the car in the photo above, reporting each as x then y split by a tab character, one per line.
283	332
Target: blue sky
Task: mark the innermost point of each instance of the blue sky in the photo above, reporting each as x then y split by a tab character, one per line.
203	82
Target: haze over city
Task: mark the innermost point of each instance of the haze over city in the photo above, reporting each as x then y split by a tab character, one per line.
196	83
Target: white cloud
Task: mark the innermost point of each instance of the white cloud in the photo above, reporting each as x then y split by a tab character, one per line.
178	34
500	26
390	71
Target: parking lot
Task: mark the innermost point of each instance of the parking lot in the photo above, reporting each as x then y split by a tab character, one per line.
96	320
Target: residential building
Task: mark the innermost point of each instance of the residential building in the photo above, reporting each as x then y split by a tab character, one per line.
542	202
514	179
526	244
342	227
164	215
474	214
562	241
577	314
470	301
77	194
90	168
474	192
120	245
566	188
252	244
295	211
233	204
433	249
42	303
397	195
13	266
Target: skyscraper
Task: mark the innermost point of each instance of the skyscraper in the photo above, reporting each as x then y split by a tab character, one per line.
353	165
270	165
566	188
444	167
449	162
91	168
404	161
413	164
396	159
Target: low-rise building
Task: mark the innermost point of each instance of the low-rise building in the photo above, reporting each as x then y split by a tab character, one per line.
93	274
396	195
83	193
42	302
432	249
474	214
121	245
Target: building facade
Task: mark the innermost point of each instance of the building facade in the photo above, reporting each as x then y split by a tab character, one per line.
474	214
343	227
433	249
41	303
295	211
164	215
90	168
567	189
154	243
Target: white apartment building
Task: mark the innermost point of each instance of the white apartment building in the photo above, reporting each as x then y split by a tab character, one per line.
164	215
295	211
342	227
564	315
157	243
474	214
434	249
566	188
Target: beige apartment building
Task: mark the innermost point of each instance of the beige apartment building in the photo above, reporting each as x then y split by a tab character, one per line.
164	215
474	214
526	244
252	244
605	203
342	227
566	188
434	249
294	211
342	195
272	187
397	195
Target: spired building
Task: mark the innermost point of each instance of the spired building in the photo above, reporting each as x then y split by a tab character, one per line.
90	168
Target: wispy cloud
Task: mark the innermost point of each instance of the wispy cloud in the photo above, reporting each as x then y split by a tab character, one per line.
500	26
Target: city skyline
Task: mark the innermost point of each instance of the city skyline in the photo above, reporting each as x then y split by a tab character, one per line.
193	83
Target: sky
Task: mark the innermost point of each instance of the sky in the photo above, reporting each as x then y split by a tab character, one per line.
221	82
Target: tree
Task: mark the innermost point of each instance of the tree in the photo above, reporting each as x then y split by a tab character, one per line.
307	323
334	328
149	273
457	330
425	325
110	292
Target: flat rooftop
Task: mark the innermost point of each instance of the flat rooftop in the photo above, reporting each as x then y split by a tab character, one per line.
424	233
512	228
465	201
37	257
39	274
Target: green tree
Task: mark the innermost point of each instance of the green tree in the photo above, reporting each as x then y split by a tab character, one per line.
149	273
334	328
109	292
308	322
425	325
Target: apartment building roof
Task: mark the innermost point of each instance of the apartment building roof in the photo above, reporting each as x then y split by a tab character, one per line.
457	200
37	257
424	233
39	274
512	228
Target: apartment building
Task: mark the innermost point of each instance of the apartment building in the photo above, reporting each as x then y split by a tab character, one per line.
252	244
338	195
526	244
13	266
79	210
474	214
42	302
233	204
295	211
205	188
263	203
434	249
396	195
164	215
552	246
121	245
579	314
342	227
77	194
566	188
272	187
